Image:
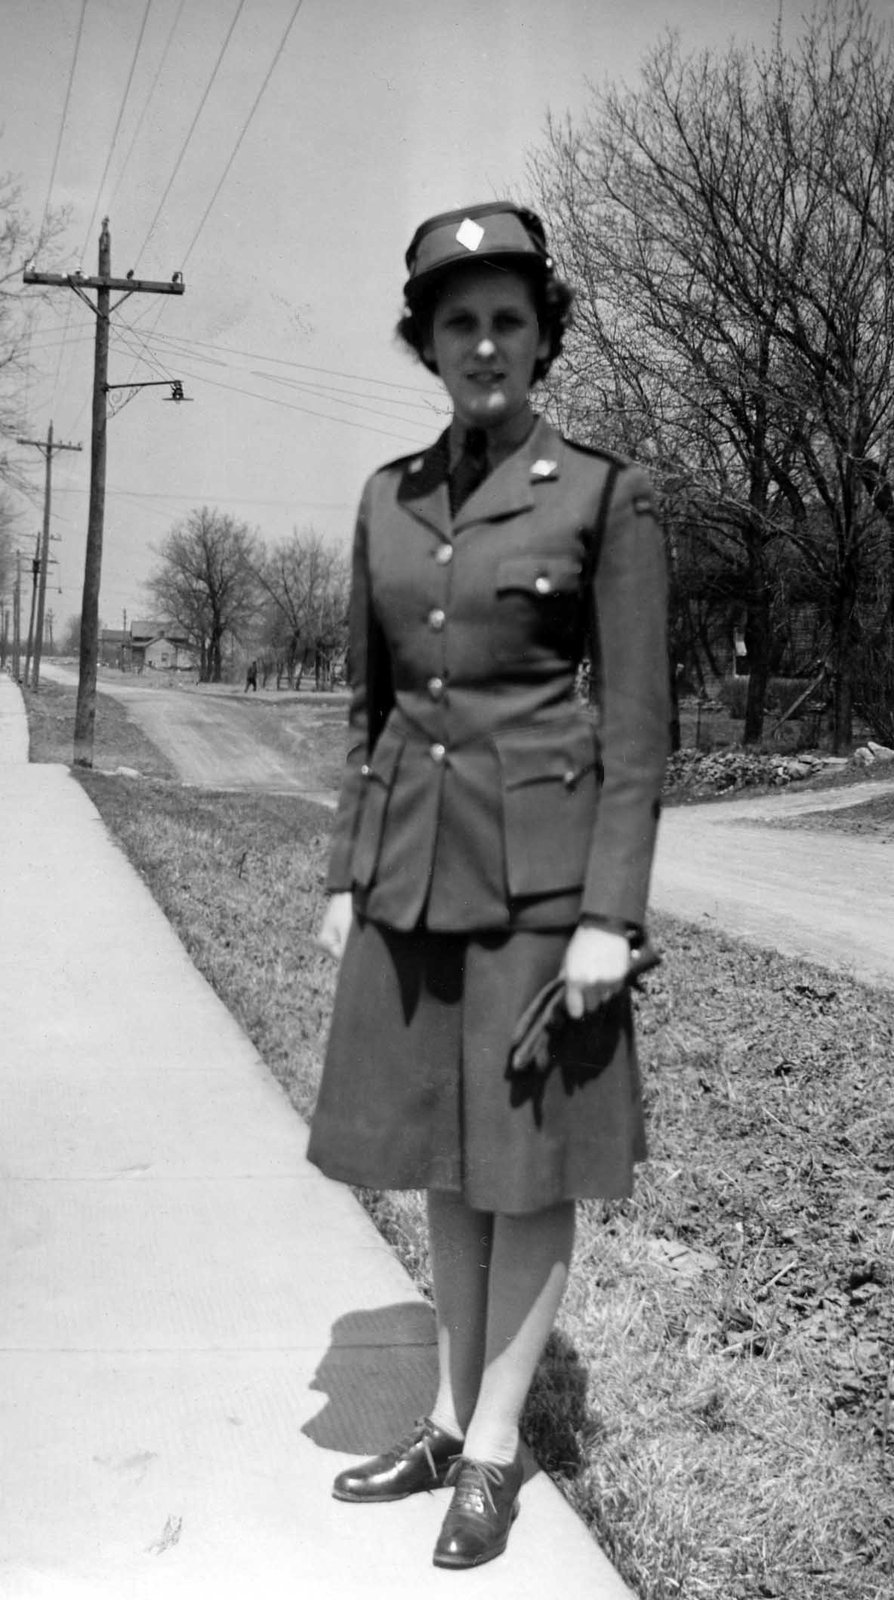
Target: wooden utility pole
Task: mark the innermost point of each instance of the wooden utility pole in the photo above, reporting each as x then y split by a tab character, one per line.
44	560
17	618
35	574
103	283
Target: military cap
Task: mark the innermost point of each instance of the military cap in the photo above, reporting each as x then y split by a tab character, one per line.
498	231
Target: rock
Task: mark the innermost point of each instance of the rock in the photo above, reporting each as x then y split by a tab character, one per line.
863	757
880	752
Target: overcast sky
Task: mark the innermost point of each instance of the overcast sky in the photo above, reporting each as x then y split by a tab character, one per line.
376	114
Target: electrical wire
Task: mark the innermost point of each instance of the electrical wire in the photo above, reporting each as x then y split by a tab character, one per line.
245	127
192	127
124	100
74	62
136	133
289	405
104	175
282	361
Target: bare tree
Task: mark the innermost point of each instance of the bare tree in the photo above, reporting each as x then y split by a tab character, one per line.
305	582
726	224
205	582
18	242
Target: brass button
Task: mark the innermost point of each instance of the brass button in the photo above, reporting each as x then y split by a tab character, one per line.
444	555
436	619
365	770
542	584
437	753
436	687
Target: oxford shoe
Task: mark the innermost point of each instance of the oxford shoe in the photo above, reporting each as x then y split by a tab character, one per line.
419	1461
481	1513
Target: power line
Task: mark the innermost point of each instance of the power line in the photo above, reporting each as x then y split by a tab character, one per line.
192	128
136	133
102	180
74	62
282	361
279	50
289	405
124	99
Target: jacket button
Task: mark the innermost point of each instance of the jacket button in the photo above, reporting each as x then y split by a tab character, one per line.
436	619
542	584
365	770
444	555
436	687
437	753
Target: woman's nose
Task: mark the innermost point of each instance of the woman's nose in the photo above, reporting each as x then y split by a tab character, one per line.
486	347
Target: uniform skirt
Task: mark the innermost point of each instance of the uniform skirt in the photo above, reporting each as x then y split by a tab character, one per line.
416	1091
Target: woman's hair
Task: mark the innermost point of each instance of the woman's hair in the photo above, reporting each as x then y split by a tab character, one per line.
552	296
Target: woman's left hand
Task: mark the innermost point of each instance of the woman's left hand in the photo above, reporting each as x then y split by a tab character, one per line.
595	966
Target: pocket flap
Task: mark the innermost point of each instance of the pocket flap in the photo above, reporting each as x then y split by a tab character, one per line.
547	754
539	575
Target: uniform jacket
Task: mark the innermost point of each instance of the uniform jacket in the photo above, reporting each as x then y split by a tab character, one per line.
479	793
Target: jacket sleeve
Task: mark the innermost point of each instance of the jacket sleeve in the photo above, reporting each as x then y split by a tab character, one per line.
371	700
630	656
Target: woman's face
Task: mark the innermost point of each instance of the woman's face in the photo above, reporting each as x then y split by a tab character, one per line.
485	341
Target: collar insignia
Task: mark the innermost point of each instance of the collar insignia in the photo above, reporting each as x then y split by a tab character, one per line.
416	464
543	469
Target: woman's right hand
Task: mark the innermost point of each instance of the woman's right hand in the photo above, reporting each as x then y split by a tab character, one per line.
336	924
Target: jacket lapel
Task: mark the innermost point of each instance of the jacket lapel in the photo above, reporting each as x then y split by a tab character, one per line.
511	487
422	490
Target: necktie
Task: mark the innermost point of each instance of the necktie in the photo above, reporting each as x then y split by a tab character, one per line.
470	470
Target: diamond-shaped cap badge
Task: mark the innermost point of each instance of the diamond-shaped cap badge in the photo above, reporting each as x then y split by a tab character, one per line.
469	234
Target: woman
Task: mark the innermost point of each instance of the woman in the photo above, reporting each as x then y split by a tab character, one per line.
488	838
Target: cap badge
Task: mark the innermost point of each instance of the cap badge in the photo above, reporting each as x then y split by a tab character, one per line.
543	469
469	234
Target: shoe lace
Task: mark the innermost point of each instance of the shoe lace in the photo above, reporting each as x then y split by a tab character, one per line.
420	1433
474	1483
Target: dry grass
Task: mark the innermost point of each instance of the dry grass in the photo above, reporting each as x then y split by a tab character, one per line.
118	742
716	1400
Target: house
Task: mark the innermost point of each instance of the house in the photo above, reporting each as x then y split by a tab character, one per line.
161	646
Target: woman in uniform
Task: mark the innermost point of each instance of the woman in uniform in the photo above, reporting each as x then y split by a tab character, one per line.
491	834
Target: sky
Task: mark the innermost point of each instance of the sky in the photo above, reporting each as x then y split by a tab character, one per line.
280	155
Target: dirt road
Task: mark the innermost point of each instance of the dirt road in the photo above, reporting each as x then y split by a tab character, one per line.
828	897
219	738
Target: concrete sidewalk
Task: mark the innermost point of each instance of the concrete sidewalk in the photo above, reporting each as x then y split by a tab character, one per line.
197	1330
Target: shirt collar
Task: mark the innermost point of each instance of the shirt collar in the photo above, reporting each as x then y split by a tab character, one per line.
501	442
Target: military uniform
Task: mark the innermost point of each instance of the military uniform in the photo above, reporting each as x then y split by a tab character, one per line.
484	811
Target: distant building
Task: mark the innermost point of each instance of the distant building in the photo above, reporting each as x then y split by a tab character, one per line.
161	646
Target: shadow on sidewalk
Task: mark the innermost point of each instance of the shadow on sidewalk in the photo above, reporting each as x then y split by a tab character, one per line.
379	1374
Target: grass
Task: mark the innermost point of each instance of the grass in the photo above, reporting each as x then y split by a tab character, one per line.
716	1400
118	742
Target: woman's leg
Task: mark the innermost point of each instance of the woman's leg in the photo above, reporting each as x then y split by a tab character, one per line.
460	1246
529	1260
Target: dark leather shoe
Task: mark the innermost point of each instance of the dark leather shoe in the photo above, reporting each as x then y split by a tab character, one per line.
483	1509
420	1461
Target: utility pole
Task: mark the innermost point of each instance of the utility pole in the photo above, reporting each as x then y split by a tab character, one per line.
103	283
35	574
48	449
17	618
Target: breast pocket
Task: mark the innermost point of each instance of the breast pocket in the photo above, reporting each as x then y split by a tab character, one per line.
538	608
550	782
378	775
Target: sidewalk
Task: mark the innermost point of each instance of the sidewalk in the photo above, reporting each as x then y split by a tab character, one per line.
197	1330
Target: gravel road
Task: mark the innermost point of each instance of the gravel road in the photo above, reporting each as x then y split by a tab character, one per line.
824	896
